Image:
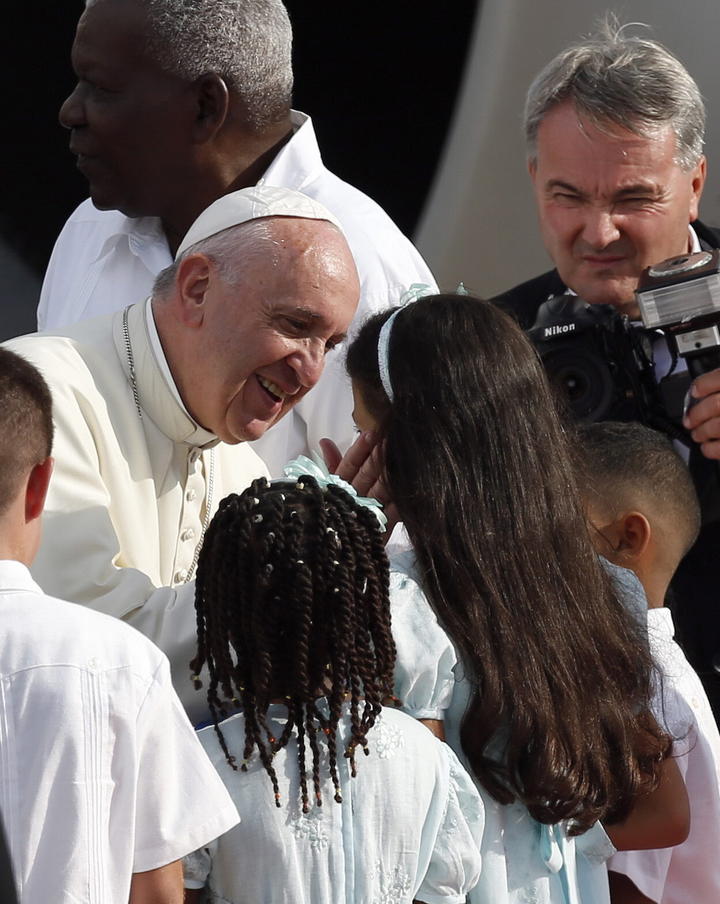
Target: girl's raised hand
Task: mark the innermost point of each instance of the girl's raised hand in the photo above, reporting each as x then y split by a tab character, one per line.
361	466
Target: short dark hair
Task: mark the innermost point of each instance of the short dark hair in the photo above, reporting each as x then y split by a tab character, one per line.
625	464
26	427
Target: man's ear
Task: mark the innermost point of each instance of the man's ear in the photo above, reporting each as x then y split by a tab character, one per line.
36	489
212	104
532	168
698	182
634	533
192	281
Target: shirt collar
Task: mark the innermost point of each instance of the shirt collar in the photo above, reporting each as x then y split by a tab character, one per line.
16	576
145	239
694	241
298	162
159	353
158	395
660	622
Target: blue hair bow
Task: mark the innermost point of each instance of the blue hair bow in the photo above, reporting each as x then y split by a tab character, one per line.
316	468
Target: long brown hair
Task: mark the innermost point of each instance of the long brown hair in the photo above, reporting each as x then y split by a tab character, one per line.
481	471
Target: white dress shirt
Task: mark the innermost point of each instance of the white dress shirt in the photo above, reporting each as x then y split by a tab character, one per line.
101	774
103	261
689	872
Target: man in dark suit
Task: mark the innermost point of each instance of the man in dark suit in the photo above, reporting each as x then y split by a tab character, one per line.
614	127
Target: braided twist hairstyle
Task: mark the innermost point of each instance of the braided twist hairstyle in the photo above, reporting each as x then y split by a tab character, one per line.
292	605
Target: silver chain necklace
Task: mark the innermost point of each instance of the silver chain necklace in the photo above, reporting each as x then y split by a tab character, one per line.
131	361
211	452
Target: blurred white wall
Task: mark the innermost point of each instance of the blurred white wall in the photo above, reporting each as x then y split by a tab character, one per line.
479	222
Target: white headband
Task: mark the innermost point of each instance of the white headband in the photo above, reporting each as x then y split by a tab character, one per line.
383	354
416	290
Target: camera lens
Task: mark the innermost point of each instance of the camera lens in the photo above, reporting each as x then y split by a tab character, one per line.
582	382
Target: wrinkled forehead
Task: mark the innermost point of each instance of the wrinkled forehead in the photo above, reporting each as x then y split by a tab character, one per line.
289	247
576	150
317	244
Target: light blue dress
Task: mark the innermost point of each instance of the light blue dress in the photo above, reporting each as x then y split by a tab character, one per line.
523	861
408	827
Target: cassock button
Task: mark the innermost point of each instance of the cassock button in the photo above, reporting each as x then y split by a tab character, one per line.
180	576
187	534
190	495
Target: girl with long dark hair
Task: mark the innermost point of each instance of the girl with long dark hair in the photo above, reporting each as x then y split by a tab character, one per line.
550	704
342	799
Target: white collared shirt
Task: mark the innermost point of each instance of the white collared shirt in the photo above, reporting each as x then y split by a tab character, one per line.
689	872
103	261
101	774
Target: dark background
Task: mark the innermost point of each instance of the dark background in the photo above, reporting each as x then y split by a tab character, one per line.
379	80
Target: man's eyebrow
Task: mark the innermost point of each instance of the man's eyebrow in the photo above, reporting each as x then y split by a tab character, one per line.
639	188
300	311
566	186
311	315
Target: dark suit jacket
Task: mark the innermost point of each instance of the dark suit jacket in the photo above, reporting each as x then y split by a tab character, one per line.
695	590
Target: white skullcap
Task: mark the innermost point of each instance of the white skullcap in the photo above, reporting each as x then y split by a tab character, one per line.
252	204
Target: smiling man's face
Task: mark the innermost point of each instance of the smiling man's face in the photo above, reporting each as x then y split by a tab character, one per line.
262	342
610	203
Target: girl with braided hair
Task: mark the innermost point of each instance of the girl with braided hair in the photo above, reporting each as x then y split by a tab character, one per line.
550	705
341	797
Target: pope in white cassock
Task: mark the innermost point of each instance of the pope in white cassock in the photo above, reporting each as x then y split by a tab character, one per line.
153	406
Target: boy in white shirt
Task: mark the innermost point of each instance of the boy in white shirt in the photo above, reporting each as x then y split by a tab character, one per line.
103	785
644	514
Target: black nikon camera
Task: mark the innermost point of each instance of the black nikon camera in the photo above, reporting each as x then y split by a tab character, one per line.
603	367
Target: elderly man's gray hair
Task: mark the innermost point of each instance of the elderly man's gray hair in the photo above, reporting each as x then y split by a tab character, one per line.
622	79
247	42
233	251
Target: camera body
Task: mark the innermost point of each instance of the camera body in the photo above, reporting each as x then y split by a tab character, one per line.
599	365
603	367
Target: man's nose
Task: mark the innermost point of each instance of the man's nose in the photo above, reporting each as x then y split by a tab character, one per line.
308	363
600	228
72	111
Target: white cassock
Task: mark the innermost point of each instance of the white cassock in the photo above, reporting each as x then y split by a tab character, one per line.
134	485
